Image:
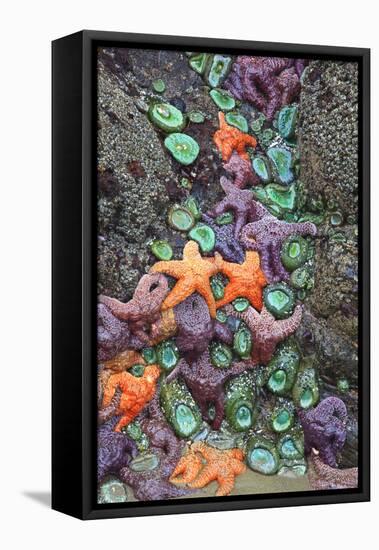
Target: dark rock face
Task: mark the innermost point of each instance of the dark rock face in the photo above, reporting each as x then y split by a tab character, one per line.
328	146
328	133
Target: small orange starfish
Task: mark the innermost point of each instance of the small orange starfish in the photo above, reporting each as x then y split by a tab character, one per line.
245	280
122	362
193	274
220	466
229	139
136	392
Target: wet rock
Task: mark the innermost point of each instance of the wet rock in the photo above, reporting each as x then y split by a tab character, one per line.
328	133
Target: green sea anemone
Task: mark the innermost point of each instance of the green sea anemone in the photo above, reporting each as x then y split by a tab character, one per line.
281	419
301	277
287	121
262	455
112	491
161	250
291	445
279	299
242	342
193	206
281	370
204	235
262	169
183	148
180	409
240	410
224	219
219	67
241	304
166	117
196	117
305	392
159	86
149	355
167	355
217	287
137	370
180	218
198	62
281	163
221	355
294	252
223	99
237	120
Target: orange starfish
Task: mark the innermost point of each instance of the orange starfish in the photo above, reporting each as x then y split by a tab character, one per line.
229	139
193	274
136	392
245	280
220	466
122	362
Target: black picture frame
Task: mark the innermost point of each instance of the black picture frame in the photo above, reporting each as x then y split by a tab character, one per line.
74	275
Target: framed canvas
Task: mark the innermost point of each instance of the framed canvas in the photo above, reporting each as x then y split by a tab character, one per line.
210	275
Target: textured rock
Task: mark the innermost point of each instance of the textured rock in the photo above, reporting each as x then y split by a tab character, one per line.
328	133
328	148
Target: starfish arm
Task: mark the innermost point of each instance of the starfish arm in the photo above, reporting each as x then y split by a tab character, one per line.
187	468
238	467
281	274
286	327
226	484
207	294
106	413
124	421
208	474
180	292
227	268
227	150
305	228
119	309
251	317
267	265
241	220
254	295
110	389
173	268
128	476
218	140
223	206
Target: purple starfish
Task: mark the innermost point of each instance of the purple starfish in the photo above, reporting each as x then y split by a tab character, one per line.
241	203
325	428
196	328
154	484
267	332
268	83
113	335
226	243
241	171
206	383
114	449
266	236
